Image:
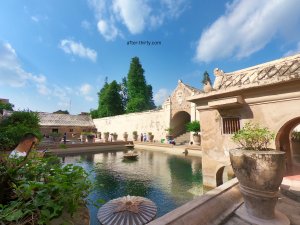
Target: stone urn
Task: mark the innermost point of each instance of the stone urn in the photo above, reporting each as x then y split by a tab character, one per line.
106	136
115	137
197	139
125	136
134	135
90	138
260	174
207	87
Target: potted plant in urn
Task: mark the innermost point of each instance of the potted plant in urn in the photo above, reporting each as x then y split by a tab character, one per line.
90	137
135	135
169	135
194	126
150	136
125	136
260	171
115	136
106	136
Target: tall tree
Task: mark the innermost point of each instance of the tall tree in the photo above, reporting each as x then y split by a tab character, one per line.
61	112
6	106
110	100
140	96
206	78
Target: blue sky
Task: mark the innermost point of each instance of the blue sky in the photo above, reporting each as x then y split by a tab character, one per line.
56	54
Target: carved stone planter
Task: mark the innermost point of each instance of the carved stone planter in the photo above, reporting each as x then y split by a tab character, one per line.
197	139
135	136
260	174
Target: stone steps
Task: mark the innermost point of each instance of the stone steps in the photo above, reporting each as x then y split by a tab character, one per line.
290	187
183	138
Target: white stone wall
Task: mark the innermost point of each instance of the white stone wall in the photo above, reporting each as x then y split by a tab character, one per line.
144	122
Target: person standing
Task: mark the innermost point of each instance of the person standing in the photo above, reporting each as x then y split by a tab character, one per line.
27	142
142	137
65	138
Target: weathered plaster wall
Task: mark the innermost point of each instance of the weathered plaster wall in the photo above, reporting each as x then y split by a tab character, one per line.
151	121
272	107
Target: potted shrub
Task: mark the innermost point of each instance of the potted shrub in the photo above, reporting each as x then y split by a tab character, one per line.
115	136
90	137
194	126
169	135
56	137
151	136
135	135
125	136
259	170
106	136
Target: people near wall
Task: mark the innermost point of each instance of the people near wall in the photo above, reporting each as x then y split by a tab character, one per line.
142	138
145	137
65	138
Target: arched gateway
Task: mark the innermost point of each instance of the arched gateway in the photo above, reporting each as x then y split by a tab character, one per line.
268	94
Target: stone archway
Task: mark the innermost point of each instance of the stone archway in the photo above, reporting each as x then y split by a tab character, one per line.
283	143
178	122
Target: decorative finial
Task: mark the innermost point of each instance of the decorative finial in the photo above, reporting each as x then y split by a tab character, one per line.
179	81
218	72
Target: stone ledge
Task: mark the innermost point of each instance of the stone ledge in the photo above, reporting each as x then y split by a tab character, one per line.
211	208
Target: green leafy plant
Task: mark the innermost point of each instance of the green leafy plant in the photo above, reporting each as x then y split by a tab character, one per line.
253	137
56	136
193	126
134	132
169	130
296	136
35	190
15	126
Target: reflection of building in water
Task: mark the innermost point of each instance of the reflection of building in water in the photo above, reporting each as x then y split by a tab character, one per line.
174	174
71	159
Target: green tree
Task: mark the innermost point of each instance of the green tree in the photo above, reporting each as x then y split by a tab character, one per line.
61	112
94	113
6	106
140	96
15	126
110	100
206	78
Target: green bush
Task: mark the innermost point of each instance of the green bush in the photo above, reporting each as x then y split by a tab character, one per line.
296	136
193	126
36	190
253	137
15	126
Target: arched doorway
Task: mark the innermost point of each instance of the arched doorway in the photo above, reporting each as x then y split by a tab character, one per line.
284	143
178	122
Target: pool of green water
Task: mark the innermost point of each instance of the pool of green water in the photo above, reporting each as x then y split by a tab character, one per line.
168	180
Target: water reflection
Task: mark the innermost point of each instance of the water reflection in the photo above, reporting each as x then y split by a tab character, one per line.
167	180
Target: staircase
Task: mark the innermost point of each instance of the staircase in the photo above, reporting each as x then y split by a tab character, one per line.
183	138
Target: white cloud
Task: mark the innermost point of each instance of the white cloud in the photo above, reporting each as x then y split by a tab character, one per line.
85	24
295	51
247	27
11	71
108	30
76	48
85	89
135	15
35	19
175	7
160	96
